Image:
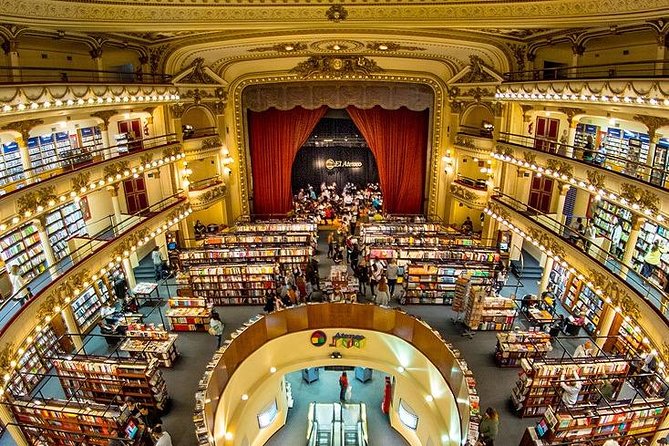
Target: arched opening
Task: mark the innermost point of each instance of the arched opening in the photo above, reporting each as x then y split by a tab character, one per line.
197	121
335	152
478	120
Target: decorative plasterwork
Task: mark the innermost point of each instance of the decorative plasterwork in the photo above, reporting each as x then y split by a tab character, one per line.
288	47
499	210
562	168
392	46
571	112
617	295
477	72
597	179
639	197
34	202
388	80
653	123
529	157
547	241
469	144
202	199
198	13
362	94
336	13
336	67
634	92
198	73
474	199
504	150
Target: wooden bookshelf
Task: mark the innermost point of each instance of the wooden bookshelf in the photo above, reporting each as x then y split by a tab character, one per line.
603	220
538	385
289	257
261	239
11	166
188	313
65	222
274	227
435	282
23	247
56	422
577	297
233	284
639	419
516	345
105	380
499	313
147	341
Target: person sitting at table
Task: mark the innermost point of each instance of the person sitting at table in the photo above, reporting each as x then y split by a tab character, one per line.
558	326
528	301
574	324
200	229
109	314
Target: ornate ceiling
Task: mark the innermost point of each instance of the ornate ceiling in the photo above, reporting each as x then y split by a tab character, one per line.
163	15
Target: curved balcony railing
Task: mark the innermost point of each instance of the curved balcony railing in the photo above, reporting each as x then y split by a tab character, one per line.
613	162
620	70
70	163
644	288
69	75
479	132
191	133
11	307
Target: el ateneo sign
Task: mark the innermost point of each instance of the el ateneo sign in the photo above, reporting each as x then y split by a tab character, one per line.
331	164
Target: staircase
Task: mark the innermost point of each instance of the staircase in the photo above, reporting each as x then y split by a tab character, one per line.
528	270
351	437
324	437
145	272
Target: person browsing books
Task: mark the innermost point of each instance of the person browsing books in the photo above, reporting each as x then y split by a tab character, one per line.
570	389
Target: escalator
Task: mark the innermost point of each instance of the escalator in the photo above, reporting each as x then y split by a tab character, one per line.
335	424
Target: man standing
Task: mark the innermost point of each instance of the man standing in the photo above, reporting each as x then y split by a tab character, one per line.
343	385
158	260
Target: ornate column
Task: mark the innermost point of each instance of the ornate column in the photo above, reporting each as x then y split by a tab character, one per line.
129	273
605	324
577	51
176	112
498	110
628	254
545	275
571	133
7	420
40	225
10	47
652	123
531	57
105	116
563	188
23	128
72	327
113	190
661	28
96	55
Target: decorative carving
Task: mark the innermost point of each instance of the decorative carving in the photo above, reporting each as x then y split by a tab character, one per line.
23	127
171	151
478	93
290	47
560	167
499	210
465	141
7	355
198	74
155	55
177	110
571	112
336	66
213	193
212	143
116	169
31	201
640	196
146	159
476	72
96	52
518	52
548	242
529	157
105	116
392	46
503	149
653	123
596	178
497	109
526	108
80	180
71	286
336	13
463	193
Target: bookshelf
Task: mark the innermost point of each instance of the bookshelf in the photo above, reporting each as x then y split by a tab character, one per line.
516	345
434	283
147	341
582	132
274	227
261	239
578	297
291	257
105	380
603	220
23	247
538	385
484	312
11	168
90	140
86	307
463	292
188	313
233	284
35	362
649	232
639	419
63	223
55	422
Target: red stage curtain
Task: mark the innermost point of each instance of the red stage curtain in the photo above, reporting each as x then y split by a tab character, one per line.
275	137
398	140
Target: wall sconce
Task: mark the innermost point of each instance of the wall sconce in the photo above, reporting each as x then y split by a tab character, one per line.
185	174
448	163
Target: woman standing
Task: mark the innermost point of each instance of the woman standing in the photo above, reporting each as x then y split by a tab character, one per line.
382	295
216	326
489	426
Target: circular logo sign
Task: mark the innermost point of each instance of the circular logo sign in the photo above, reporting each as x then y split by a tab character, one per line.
329	164
318	338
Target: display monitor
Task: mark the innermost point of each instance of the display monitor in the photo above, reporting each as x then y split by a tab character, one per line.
131	429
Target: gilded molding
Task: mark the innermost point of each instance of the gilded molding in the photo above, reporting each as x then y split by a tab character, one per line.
499	210
434	171
652	123
113	170
618	296
202	199
23	127
547	241
336	13
641	196
503	149
31	201
561	167
336	67
105	116
465	141
287	47
596	178
392	46
80	181
571	112
469	197
529	157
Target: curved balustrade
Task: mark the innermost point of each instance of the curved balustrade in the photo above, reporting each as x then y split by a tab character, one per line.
303	318
191	133
94	244
69	75
612	162
620	70
72	163
644	288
